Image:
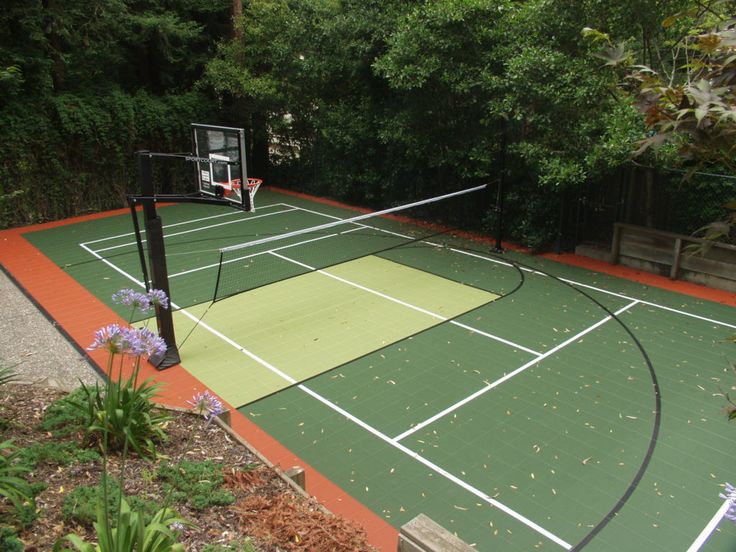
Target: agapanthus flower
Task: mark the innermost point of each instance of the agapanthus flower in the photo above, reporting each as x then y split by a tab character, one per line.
152	343
132	298
111	338
206	404
730	495
158	297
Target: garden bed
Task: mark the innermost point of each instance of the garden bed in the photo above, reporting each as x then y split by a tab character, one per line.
251	508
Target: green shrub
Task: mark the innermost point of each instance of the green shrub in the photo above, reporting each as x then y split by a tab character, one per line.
6	375
131	533
246	546
26	514
82	503
125	415
64	417
198	484
9	542
57	453
12	485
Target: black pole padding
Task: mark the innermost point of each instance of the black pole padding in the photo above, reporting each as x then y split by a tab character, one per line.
157	261
139	242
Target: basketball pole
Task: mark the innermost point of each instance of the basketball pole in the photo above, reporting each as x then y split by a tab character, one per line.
157	261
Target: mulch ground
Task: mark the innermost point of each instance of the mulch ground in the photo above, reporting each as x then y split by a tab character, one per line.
266	510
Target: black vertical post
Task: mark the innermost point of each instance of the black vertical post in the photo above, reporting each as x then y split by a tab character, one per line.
139	243
157	261
498	247
560	224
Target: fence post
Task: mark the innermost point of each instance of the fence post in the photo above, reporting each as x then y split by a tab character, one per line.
677	254
616	245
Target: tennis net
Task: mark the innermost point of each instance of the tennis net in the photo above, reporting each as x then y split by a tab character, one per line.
271	259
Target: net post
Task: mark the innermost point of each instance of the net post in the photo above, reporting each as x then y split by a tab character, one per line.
217	282
157	260
498	208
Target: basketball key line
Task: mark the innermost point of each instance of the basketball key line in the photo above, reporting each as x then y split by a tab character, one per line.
190	231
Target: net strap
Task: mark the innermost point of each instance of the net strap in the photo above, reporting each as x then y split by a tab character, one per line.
351	220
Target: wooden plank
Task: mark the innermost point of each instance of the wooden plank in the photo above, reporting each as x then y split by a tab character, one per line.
424	535
695	263
646	253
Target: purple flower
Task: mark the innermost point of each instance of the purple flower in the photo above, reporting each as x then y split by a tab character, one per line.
730	495
111	338
152	343
132	298
176	526
158	298
137	342
206	404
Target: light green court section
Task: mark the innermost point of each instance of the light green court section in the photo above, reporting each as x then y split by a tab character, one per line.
306	325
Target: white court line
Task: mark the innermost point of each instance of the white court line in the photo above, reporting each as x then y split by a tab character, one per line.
215	265
198	229
437	469
363	288
190	221
356	223
416	456
408	305
510	375
612	293
712	524
495	337
573	282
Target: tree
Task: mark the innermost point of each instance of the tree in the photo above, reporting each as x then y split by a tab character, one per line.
86	83
689	104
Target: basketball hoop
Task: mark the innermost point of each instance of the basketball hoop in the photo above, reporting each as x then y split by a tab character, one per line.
253	185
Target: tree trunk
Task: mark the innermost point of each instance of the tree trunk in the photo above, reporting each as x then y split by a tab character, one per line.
259	167
236	13
54	45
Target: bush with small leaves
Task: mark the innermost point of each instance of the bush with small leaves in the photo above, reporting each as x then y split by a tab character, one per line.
56	453
64	417
198	484
9	541
81	504
246	546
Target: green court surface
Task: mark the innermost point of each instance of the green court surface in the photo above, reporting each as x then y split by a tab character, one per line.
521	403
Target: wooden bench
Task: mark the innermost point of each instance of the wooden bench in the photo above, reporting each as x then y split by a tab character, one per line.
670	254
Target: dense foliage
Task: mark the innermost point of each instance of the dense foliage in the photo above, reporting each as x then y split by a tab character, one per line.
83	85
689	107
367	101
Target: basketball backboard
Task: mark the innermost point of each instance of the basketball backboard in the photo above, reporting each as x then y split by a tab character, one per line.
225	175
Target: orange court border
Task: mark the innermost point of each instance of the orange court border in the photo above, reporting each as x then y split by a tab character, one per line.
78	314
